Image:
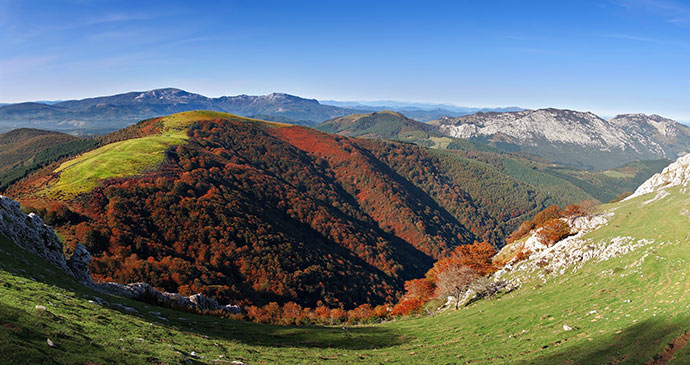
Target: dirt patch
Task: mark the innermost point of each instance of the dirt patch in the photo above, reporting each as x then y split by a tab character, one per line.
665	356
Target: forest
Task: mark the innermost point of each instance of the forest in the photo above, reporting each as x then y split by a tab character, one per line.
254	213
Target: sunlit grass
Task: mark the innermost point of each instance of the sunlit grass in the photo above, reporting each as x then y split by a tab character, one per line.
131	157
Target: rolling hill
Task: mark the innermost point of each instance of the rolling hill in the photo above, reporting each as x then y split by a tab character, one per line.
615	292
575	139
23	151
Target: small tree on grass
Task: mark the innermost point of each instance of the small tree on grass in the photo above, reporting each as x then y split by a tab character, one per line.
454	280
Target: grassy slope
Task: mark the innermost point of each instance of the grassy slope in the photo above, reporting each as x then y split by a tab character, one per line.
640	298
126	158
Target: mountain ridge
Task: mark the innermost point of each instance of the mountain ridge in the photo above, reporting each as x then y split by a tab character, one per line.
108	113
575	138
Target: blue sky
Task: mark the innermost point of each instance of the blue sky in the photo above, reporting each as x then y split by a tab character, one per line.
605	56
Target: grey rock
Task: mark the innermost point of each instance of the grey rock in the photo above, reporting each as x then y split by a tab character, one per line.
232	309
29	233
178	301
204	303
79	264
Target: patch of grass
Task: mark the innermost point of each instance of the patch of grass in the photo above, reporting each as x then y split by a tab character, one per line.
130	157
119	159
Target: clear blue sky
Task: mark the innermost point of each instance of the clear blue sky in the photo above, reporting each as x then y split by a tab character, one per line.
606	56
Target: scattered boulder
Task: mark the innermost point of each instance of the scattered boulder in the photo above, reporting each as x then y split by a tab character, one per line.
204	303
232	309
79	264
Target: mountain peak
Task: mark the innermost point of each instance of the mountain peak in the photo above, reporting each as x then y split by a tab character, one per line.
284	97
167	94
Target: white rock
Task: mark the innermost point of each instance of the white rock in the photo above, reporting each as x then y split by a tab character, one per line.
567	328
675	174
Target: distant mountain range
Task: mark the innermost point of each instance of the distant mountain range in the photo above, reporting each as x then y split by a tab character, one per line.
103	114
422	112
578	139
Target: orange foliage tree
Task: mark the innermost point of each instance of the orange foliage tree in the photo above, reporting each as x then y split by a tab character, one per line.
553	231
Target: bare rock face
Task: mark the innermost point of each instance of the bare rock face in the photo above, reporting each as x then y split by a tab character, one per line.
569	137
675	174
79	264
29	232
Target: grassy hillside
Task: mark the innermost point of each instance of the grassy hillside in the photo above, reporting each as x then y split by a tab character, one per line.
125	158
625	309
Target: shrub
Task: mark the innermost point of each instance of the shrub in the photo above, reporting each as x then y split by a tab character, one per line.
522	255
407	307
522	231
553	231
546	215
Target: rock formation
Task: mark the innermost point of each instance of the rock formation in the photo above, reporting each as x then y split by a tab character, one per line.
675	174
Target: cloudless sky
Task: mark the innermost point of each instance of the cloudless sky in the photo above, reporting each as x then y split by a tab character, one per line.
605	56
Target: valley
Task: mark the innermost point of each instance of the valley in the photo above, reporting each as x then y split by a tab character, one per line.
301	182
